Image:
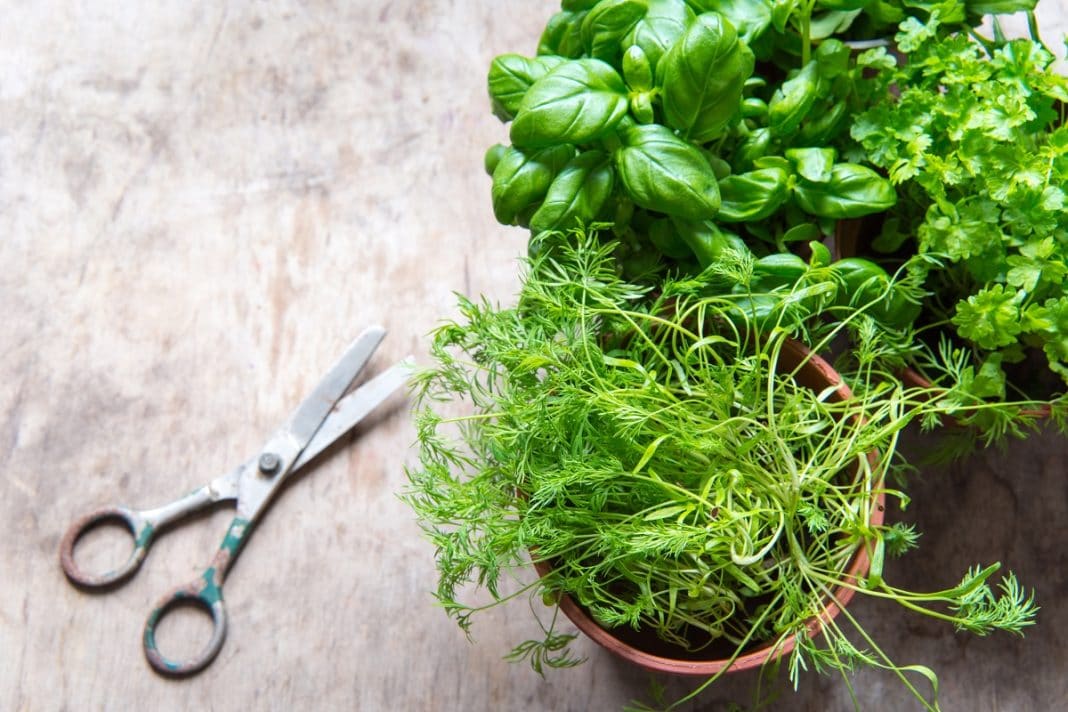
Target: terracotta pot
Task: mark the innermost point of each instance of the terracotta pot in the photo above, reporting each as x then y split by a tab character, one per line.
647	650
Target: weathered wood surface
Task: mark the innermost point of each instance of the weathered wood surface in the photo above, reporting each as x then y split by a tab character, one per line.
200	203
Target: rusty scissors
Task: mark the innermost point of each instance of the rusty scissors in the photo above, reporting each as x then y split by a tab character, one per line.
324	416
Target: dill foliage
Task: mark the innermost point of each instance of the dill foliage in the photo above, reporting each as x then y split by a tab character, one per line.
668	467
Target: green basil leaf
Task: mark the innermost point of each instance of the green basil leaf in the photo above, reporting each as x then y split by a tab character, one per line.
522	178
781	10
753	196
577	194
662	172
607	24
844	4
814	164
773	162
885	13
576	102
779	269
831	23
563	35
754	147
665	237
821	254
637	72
999	7
720	168
511	75
702	77
707	241
641	106
806	232
832	56
793	100
577	5
663	24
852	192
493	157
751	18
822	126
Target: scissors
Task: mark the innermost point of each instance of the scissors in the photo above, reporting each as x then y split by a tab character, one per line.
322	418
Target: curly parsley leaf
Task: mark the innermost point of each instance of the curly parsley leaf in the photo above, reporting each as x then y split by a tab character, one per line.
990	318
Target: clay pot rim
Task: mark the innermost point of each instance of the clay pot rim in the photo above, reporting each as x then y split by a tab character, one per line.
819	374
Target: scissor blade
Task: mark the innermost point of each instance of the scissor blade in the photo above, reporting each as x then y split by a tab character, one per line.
313	411
354	407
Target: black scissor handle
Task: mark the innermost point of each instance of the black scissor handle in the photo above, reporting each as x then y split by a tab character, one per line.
138	526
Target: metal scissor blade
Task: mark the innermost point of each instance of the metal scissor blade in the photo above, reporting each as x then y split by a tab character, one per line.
354	407
313	411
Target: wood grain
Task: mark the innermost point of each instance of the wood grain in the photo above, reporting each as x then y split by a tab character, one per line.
200	204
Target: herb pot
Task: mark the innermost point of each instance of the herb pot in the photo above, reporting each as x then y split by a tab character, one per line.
648	651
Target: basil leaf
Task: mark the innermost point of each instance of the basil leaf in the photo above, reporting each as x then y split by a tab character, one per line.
793	100
637	71
814	164
577	5
823	125
562	35
662	172
773	162
844	4
753	196
751	18
999	7
702	77
708	243
641	106
576	102
781	10
831	23
852	192
522	178
493	156
607	24
885	13
754	147
666	238
511	75
664	23
577	194
807	232
833	58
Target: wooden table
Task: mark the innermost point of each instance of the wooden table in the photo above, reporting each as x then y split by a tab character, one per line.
200	204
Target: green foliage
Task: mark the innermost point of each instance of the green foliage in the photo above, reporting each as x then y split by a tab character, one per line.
661	458
701	78
685	95
976	145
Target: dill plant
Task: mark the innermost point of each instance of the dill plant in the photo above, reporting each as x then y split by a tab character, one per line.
653	451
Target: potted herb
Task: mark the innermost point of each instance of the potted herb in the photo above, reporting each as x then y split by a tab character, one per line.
686	125
674	468
694	126
975	143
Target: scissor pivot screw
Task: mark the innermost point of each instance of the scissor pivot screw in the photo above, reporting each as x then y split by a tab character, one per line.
269	463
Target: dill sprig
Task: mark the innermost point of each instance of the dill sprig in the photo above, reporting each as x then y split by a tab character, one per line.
655	450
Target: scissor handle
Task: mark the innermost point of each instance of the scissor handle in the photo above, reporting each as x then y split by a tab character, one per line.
138	526
204	593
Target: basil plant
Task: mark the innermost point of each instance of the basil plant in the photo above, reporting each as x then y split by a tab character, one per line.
689	125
